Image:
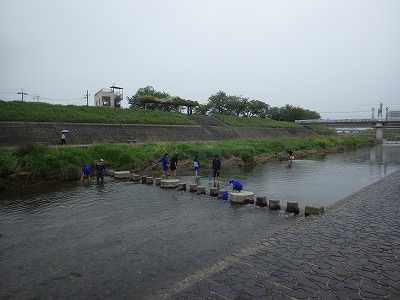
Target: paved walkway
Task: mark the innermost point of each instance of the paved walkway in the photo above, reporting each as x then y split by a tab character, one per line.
350	252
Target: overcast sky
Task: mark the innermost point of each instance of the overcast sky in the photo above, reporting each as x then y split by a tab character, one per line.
337	57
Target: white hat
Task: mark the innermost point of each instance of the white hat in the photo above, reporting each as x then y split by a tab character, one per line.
102	160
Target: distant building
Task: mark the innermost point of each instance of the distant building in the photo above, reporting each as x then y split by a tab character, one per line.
109	97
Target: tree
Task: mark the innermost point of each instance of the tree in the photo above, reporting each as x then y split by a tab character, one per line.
257	108
149	98
218	102
138	101
236	106
290	113
201	109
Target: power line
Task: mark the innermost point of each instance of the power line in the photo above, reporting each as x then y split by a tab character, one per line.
344	112
22	94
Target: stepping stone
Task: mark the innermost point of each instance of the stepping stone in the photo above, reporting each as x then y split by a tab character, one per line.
122	174
242	197
261	201
274	204
169	183
313	209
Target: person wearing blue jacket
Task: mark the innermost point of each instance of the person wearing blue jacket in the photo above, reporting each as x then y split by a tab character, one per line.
196	165
237	186
86	172
164	161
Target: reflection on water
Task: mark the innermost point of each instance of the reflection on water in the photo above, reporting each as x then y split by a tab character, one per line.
321	180
125	239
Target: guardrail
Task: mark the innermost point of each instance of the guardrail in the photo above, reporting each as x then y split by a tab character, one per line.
349	121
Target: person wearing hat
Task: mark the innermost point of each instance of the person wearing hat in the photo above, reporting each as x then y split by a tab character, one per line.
164	161
237	186
100	170
174	165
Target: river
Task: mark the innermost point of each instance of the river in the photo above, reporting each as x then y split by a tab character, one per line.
124	240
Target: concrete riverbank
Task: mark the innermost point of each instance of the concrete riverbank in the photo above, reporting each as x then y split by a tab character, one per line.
209	129
352	251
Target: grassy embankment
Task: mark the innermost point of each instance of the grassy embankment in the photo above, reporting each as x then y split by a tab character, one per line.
255	122
44	112
34	163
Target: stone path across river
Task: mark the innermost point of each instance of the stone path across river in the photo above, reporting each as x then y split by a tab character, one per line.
352	251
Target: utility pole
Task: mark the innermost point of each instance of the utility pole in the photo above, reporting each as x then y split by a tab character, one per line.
380	110
22	93
87	97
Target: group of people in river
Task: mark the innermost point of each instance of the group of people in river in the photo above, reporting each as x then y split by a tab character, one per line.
173	165
237	186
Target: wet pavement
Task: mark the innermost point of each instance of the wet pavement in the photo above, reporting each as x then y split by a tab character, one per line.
352	251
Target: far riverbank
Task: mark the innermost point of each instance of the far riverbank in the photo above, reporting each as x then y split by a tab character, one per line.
35	164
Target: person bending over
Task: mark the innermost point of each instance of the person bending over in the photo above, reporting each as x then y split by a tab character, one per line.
237	186
86	172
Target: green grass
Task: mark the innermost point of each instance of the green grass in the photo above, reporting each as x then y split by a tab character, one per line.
44	112
255	122
33	162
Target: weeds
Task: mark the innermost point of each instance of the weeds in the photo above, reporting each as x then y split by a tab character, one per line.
64	163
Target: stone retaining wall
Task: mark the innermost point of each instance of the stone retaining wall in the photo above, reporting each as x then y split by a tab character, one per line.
17	133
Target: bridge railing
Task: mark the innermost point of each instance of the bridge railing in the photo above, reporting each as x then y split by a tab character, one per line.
329	121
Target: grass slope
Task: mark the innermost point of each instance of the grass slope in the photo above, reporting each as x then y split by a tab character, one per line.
255	122
44	112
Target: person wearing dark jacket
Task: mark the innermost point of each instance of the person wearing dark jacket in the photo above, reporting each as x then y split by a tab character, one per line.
174	165
216	167
100	170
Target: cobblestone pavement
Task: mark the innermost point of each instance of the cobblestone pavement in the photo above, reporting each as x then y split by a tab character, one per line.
352	251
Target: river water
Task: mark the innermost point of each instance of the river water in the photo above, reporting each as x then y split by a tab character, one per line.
124	240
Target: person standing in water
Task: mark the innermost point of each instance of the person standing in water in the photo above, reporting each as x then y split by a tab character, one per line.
216	167
290	155
164	162
174	165
196	165
100	170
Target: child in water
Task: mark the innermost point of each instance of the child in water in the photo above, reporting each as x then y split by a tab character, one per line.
86	172
164	161
237	186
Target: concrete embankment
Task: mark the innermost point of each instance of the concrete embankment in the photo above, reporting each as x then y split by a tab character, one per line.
349	252
209	129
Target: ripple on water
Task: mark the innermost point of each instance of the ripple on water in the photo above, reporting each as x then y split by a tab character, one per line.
131	238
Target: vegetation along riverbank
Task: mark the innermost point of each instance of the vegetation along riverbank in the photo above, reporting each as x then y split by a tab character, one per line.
33	163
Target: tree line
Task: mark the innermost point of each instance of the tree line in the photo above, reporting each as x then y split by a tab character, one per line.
219	104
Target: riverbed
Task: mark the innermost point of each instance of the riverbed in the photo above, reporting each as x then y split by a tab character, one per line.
126	240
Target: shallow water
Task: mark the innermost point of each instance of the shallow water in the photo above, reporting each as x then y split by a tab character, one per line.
125	239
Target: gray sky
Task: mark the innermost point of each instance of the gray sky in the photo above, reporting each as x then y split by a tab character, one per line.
337	57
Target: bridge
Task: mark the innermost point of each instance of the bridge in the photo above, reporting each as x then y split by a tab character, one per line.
378	124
